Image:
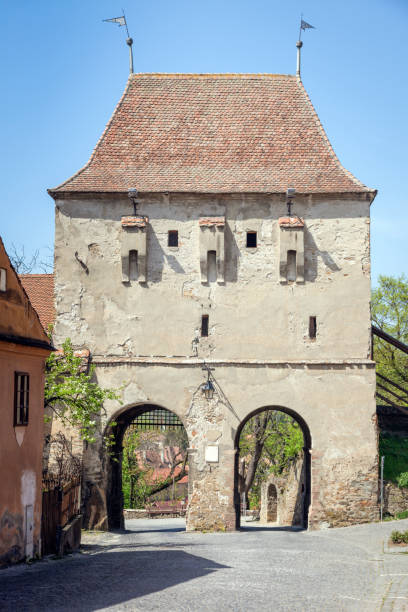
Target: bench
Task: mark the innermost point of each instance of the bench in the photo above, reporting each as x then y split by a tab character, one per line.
160	508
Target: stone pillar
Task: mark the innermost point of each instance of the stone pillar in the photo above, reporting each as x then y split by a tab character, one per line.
211	483
343	492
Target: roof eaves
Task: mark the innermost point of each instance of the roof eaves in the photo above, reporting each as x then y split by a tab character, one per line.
105	193
22	287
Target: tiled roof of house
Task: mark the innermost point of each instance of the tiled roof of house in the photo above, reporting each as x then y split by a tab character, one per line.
19	320
213	133
40	290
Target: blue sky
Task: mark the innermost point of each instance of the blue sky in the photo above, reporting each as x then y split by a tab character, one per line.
63	71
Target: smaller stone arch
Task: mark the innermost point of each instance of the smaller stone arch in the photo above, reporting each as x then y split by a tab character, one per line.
283	498
271	503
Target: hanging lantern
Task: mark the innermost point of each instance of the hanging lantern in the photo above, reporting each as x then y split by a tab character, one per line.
208	388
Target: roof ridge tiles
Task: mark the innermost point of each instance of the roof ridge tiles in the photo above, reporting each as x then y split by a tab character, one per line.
210	74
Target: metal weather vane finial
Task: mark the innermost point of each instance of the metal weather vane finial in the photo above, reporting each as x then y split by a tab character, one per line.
129	41
304	25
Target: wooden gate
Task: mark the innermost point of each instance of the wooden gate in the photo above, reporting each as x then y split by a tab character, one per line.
60	504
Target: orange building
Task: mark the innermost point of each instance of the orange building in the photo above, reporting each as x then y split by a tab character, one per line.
24	346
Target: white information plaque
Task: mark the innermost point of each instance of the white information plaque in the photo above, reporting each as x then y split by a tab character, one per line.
211	454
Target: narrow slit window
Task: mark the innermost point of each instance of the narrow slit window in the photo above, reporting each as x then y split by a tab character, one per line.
173	238
133	272
312	328
212	266
204	325
21	398
291	266
3	279
251	240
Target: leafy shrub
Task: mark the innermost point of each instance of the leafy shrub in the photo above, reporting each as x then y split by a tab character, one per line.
402	515
395	450
403	479
399	537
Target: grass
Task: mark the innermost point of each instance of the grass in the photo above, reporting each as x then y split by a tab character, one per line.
396	517
395	451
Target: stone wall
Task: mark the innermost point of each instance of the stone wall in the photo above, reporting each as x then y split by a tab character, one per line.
344	475
395	498
290	490
145	339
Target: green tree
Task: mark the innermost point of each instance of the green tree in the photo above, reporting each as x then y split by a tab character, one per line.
268	443
71	392
134	478
389	310
137	483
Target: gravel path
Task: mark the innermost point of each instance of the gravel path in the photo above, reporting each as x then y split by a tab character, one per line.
156	565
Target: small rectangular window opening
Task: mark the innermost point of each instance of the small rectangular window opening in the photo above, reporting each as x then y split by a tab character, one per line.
212	266
172	238
291	266
312	328
3	277
21	398
133	271
204	325
251	240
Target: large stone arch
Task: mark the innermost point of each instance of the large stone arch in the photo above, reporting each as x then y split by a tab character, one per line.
122	419
307	446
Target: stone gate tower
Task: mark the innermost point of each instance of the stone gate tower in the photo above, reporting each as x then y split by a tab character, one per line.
210	267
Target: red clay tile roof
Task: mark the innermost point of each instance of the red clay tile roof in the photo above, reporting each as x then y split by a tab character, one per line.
291	222
213	133
40	290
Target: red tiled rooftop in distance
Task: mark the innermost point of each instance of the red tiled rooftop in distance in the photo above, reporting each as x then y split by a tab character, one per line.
160	474
213	133
40	290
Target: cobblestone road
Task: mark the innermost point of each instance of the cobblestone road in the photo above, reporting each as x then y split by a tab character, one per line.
155	565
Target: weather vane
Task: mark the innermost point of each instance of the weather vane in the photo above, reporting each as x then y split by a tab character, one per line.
303	26
129	41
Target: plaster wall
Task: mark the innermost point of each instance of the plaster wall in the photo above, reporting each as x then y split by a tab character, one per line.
251	316
145	338
20	455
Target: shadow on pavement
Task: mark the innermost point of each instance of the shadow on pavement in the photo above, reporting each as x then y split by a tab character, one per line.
93	548
164	529
99	580
266	528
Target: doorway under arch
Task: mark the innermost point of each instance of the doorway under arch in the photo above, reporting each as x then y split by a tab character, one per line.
272	504
144	417
304	487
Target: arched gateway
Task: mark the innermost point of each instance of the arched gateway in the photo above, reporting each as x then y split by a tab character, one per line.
304	485
144	417
213	227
